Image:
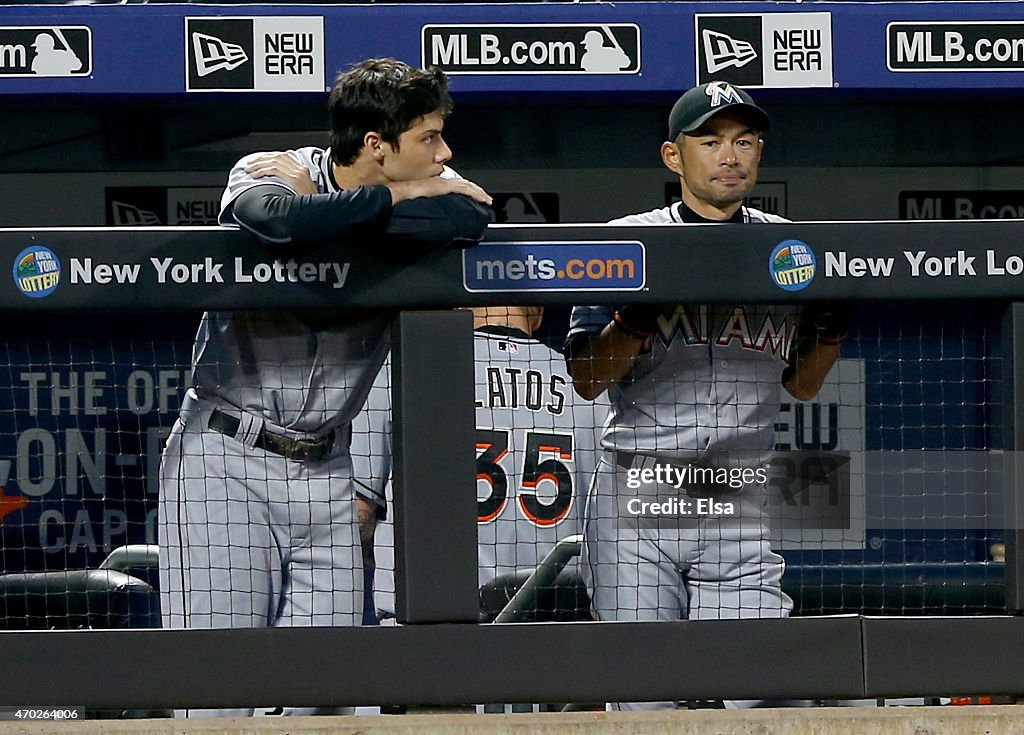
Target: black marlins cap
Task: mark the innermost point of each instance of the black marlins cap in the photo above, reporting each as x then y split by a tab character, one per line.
700	104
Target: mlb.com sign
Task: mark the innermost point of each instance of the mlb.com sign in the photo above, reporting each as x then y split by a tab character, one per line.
533	48
536	266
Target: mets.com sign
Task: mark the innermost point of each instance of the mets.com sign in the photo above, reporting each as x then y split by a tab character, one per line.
565	266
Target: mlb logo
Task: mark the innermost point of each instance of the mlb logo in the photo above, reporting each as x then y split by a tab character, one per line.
510	347
525	207
45	51
219	53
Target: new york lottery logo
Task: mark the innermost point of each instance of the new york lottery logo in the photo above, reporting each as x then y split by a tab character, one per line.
792	265
36	271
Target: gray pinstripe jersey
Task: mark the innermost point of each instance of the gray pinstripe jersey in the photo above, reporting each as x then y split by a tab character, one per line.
522	389
711	379
536	450
298	375
371	442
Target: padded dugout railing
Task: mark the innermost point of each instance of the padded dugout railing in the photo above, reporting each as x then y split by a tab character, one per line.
453	659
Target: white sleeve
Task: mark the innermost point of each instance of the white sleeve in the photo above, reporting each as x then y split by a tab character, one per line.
239	180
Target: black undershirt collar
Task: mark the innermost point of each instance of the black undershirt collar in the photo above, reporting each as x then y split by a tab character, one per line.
328	168
688	216
502	331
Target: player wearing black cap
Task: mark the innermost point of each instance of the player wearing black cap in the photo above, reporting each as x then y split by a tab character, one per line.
693	386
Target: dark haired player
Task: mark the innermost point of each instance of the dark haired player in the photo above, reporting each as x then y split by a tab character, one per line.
257	514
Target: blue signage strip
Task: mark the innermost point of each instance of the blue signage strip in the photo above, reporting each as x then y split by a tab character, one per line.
636	47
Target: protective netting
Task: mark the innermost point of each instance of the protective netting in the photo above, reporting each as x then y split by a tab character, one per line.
913	406
87	402
932	438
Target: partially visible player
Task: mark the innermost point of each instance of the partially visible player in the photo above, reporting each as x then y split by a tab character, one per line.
535	440
536	450
257	514
694	386
371	462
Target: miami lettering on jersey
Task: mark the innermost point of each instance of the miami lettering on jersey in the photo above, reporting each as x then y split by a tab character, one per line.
747	327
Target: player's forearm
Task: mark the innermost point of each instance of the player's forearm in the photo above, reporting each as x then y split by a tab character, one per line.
427	223
278	217
822	328
804	378
599	362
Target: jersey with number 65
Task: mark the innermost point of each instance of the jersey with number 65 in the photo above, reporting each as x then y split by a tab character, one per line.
536	448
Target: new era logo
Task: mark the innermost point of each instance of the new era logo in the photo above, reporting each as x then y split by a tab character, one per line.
764	50
212	54
264	54
722	51
128	215
220	54
730	48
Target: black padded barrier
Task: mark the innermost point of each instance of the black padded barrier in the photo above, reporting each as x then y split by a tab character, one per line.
440	576
948	655
717	263
1013	440
814	657
439	664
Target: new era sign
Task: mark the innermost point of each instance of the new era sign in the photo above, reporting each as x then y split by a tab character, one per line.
768	50
265	54
134	206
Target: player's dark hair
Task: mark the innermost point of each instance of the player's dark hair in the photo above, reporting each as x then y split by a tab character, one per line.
384	95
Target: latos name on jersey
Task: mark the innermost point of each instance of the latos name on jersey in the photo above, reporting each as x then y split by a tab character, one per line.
515	388
170	270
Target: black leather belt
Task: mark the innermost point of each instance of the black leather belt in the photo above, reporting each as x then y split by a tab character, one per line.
300	450
624	460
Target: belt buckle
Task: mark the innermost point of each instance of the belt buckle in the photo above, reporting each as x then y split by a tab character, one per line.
308	449
300	450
